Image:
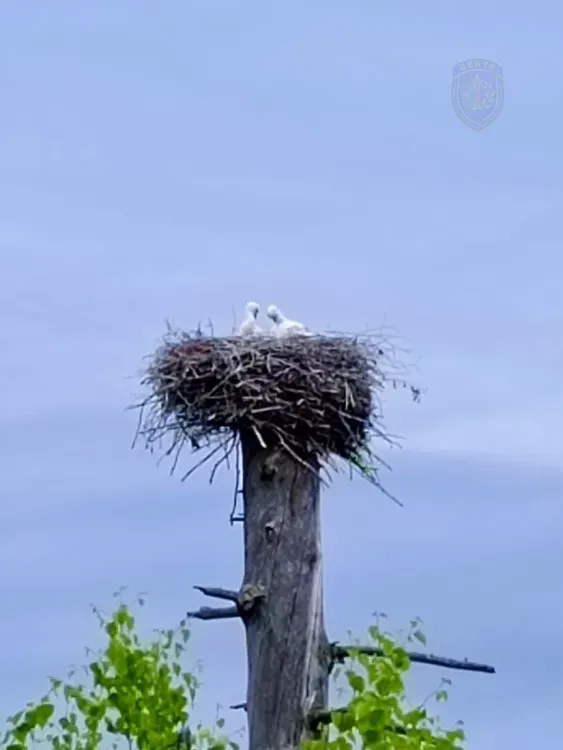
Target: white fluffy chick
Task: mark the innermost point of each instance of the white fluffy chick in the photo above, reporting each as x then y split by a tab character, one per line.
249	326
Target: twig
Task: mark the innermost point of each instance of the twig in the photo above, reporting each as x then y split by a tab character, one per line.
339	653
296	457
238	461
219	593
214	613
139	427
204	460
224	459
259	437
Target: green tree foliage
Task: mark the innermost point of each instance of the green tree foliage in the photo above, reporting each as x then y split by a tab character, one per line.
137	696
378	715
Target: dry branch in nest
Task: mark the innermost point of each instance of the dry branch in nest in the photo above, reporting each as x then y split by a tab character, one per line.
316	397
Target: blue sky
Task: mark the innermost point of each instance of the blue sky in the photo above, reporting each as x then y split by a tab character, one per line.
172	161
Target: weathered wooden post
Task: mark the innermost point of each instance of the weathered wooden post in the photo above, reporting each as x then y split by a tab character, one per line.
288	407
288	668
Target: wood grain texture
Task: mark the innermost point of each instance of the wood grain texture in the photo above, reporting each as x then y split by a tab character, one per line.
288	668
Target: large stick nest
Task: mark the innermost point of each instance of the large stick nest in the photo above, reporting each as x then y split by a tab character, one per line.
317	397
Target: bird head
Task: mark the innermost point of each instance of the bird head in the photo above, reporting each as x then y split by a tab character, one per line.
253	308
274	314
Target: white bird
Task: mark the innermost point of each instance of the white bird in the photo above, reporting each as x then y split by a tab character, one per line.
283	326
249	326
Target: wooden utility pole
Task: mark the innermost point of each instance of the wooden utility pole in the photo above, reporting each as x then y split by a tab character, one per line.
281	599
290	405
288	668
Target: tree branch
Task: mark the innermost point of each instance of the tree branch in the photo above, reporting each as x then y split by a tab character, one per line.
214	613
339	653
244	600
219	593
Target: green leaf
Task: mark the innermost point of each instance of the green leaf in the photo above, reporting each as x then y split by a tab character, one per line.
414	717
21	732
371	737
420	637
401	660
356	682
374	633
383	686
343	721
220	723
40	715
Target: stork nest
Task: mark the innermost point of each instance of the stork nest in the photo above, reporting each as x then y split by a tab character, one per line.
315	397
